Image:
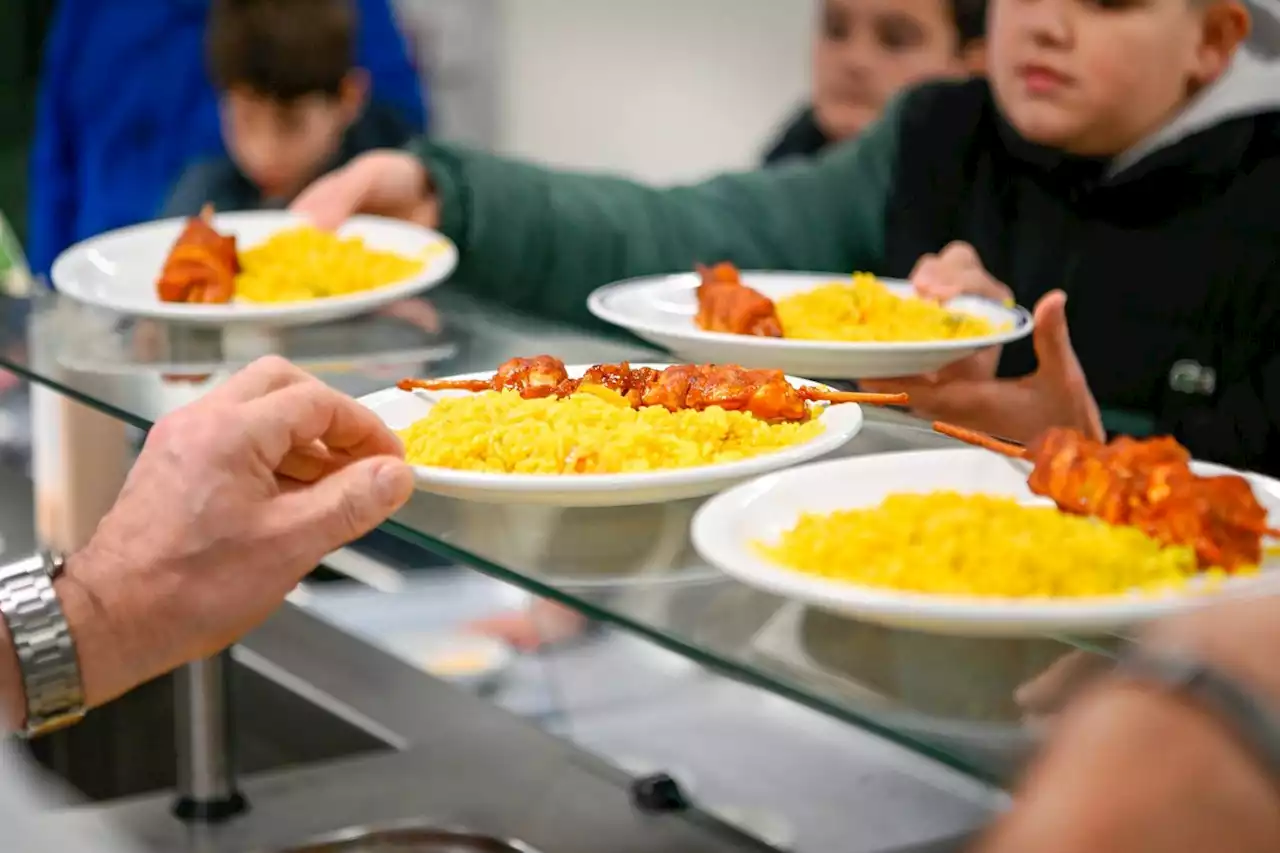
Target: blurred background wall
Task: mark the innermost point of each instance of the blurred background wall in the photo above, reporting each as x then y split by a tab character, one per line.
665	90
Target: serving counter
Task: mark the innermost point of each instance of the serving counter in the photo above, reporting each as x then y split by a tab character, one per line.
955	704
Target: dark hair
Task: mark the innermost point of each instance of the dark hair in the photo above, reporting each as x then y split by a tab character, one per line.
971	20
282	49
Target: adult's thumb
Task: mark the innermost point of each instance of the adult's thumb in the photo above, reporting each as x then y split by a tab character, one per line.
1051	338
348	503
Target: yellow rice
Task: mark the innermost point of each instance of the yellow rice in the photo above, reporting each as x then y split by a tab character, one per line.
593	431
863	309
978	545
308	263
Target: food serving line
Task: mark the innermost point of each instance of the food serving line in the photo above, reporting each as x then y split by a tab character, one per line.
718	315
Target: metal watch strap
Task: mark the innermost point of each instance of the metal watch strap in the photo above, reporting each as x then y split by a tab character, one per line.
43	643
1252	720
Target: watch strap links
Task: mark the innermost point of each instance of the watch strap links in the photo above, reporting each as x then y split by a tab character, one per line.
42	642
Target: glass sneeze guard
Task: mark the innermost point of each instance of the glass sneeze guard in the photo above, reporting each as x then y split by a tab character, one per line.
958	700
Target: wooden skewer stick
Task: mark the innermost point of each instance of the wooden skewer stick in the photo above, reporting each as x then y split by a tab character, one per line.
864	398
981	439
476	385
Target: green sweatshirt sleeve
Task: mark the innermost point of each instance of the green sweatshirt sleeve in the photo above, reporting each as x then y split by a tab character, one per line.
541	240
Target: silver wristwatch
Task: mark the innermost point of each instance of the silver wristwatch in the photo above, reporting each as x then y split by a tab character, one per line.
43	643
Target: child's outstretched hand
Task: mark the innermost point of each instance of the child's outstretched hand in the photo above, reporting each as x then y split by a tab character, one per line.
386	183
1056	394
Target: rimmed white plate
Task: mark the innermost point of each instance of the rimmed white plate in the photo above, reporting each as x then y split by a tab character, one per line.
399	409
725	528
118	270
661	310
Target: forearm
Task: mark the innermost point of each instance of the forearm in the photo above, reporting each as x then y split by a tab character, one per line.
541	240
1136	770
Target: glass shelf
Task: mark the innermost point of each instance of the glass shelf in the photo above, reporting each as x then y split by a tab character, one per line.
954	699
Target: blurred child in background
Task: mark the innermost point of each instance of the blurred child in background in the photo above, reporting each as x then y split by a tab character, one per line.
125	105
292	100
867	51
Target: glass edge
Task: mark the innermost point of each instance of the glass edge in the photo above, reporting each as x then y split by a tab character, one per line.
730	669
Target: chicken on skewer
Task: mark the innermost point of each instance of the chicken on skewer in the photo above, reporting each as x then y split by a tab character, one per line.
765	394
202	265
725	304
1147	484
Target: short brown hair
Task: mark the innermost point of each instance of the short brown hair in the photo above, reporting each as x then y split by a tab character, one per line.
282	49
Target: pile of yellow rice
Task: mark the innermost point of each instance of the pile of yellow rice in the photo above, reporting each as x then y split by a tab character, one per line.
865	310
950	544
594	431
307	263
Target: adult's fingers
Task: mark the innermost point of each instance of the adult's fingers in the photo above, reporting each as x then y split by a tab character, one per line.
261	377
301	414
344	505
310	463
1049	691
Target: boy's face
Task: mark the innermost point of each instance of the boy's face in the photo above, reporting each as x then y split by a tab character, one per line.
869	50
281	147
1094	77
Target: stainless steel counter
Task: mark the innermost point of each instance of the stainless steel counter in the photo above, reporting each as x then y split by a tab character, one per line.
464	763
357	736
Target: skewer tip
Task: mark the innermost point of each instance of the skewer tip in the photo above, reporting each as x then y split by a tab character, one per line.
980	439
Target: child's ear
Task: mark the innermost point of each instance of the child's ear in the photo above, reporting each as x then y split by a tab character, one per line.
974	57
354	93
1226	25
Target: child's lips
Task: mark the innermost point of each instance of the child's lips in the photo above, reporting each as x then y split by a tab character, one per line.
1041	79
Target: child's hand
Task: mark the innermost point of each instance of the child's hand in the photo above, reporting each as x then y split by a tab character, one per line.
385	183
956	271
1057	394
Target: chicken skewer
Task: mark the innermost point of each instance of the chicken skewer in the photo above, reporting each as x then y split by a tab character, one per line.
725	304
201	266
1147	484
766	394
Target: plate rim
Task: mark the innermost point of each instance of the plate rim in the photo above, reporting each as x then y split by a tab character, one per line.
1024	322
444	264
585	484
712	525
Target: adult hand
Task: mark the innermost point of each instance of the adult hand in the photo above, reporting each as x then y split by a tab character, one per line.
1056	394
232	501
385	183
1144	769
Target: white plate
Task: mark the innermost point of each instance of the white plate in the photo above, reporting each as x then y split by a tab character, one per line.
118	270
661	310
725	527
398	409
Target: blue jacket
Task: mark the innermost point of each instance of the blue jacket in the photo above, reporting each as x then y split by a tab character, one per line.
125	105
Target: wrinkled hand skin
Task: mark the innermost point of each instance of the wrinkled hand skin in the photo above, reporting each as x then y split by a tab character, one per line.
232	501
